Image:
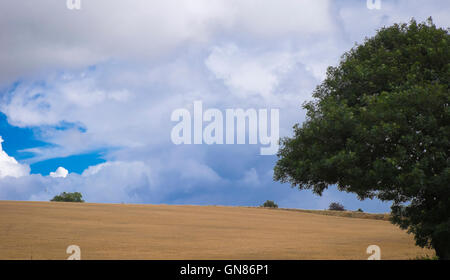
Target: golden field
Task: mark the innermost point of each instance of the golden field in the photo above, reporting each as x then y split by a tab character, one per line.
43	230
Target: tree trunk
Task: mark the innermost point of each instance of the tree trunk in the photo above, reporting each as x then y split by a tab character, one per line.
442	252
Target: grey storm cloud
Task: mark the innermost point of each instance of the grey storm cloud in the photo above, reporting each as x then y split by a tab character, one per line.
115	70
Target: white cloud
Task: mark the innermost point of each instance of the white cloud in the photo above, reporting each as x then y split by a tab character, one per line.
193	170
9	165
259	53
46	35
151	57
251	178
359	22
60	172
285	17
249	74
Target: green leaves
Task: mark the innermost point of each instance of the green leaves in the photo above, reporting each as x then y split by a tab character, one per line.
380	126
69	197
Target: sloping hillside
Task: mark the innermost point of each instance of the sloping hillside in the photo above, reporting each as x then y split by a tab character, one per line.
43	230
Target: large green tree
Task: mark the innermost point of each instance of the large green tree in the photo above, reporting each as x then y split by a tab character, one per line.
379	126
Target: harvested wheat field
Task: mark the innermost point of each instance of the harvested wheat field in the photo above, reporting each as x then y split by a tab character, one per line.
43	230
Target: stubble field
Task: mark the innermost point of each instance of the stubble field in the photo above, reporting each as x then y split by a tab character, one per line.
43	230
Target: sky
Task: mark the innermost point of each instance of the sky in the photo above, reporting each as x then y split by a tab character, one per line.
86	95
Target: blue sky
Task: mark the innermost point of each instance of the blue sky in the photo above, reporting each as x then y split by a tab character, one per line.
92	91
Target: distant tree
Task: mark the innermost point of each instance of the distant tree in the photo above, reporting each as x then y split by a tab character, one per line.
379	126
69	197
336	206
270	204
360	210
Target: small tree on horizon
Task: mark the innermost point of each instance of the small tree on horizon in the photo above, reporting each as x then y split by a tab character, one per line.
270	204
336	206
68	197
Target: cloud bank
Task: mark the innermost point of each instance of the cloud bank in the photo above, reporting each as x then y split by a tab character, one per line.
109	76
60	172
9	167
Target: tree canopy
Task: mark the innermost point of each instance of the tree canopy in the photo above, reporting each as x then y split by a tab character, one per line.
379	126
270	204
69	197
